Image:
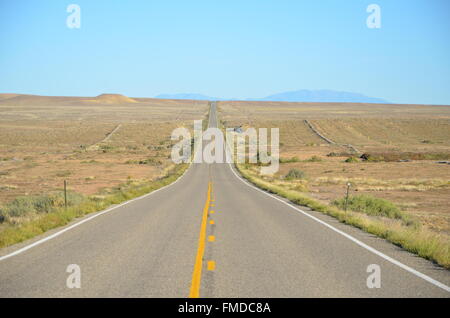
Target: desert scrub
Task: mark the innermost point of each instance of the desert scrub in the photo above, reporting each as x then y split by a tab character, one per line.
314	159
339	154
375	207
65	173
106	148
301	187
289	160
149	161
396	156
24	206
295	174
418	240
7	187
26	228
351	159
370	184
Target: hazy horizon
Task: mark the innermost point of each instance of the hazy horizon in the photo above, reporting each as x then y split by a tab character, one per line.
201	97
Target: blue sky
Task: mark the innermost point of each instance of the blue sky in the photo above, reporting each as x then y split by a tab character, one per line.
227	48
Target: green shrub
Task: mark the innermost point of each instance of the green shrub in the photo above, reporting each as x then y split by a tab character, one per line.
73	198
295	174
351	159
289	160
24	205
373	206
32	204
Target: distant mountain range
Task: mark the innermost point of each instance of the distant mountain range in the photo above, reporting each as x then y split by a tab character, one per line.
303	95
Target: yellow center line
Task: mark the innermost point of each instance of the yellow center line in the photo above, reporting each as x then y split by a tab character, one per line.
211	222
211	265
197	274
211	238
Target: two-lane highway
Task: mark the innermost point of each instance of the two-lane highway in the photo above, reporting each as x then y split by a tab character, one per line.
211	234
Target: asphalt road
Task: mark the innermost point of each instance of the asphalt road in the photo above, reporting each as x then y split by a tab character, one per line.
171	244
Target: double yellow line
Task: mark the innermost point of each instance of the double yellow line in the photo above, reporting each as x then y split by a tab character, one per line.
197	274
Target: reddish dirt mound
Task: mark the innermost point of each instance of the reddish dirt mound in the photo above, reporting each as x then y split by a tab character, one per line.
113	99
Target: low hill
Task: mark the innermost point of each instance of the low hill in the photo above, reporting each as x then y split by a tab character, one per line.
7	96
38	100
112	99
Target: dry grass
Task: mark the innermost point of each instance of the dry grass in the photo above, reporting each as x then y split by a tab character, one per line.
389	134
422	187
248	111
409	235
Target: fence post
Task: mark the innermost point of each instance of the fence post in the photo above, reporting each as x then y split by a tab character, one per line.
346	196
65	194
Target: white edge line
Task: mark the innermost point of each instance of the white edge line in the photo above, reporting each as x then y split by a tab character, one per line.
23	249
367	247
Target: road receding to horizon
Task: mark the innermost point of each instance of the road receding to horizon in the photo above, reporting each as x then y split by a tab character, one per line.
213	233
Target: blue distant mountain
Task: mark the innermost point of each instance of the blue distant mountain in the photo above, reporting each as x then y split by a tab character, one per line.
303	95
323	95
